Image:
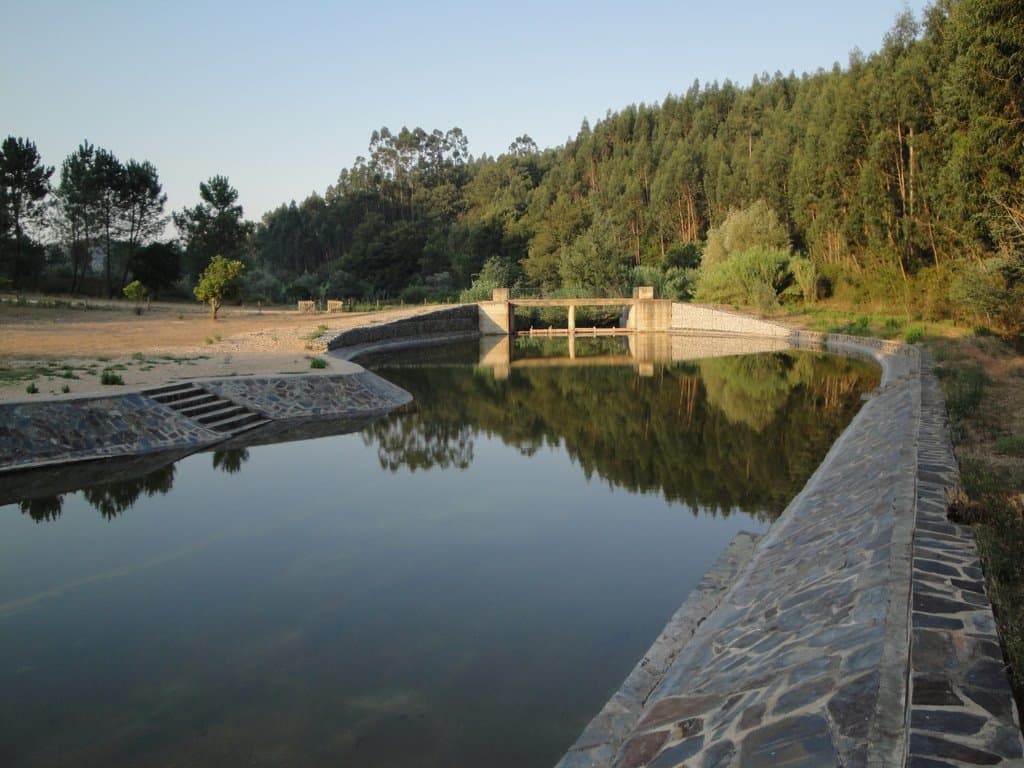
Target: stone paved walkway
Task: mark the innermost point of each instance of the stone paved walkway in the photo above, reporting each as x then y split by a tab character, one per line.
811	659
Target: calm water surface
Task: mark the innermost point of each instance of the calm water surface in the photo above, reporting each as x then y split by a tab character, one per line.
462	583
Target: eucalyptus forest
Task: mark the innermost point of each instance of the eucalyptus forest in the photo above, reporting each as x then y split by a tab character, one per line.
894	180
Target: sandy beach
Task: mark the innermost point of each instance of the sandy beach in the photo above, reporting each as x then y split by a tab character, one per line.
62	348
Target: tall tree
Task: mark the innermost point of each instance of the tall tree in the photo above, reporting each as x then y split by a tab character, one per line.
142	206
214	226
107	189
76	223
24	184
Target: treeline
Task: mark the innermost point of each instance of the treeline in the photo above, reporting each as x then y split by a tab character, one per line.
895	179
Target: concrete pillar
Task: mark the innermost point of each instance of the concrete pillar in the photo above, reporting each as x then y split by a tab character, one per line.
497	316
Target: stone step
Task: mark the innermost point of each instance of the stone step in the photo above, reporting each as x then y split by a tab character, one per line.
170	398
224	410
202	405
239	422
167	389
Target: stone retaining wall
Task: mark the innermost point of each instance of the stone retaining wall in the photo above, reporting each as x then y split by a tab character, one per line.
456	322
694	318
38	434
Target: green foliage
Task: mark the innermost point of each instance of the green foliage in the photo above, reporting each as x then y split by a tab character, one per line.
32	388
673	283
135	291
755	277
756	225
218	279
993	292
214	227
110	377
496	273
913	334
317	362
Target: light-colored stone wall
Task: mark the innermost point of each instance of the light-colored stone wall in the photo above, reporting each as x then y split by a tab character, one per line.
694	318
495	318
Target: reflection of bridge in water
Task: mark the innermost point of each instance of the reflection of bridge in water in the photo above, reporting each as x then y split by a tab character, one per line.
640	350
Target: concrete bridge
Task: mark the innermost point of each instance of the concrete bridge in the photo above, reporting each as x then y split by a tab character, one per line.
646	314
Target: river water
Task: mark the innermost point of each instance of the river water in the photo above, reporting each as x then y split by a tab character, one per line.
464	582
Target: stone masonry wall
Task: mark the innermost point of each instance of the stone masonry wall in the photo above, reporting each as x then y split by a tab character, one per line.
695	318
457	321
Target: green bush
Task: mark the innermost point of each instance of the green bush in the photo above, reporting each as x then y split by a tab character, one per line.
318	362
913	334
495	273
32	388
110	377
755	277
992	292
756	225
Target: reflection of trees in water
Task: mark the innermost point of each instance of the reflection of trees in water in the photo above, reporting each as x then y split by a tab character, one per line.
230	460
111	499
750	389
743	432
407	440
46	508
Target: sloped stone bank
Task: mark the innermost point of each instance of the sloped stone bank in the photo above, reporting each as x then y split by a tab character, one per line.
41	433
810	657
462	322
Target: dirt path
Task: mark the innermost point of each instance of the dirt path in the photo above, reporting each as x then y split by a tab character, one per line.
63	350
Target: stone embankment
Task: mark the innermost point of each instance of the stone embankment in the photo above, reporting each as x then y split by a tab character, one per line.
856	634
35	434
454	324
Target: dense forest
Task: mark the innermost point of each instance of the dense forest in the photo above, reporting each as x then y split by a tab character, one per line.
894	180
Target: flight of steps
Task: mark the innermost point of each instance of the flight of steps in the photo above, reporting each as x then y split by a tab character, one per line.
206	408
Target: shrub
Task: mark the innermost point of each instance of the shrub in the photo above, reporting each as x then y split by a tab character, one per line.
32	388
495	273
317	362
993	292
756	225
913	334
754	277
110	377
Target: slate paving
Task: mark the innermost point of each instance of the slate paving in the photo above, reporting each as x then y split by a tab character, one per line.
858	634
961	709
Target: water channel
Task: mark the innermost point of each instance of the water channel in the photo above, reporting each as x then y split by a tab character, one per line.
464	582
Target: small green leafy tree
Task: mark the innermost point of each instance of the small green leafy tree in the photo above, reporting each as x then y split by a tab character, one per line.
217	281
135	291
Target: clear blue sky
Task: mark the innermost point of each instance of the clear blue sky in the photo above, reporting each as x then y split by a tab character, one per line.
280	97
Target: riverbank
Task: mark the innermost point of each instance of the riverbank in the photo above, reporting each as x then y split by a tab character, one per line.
61	350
